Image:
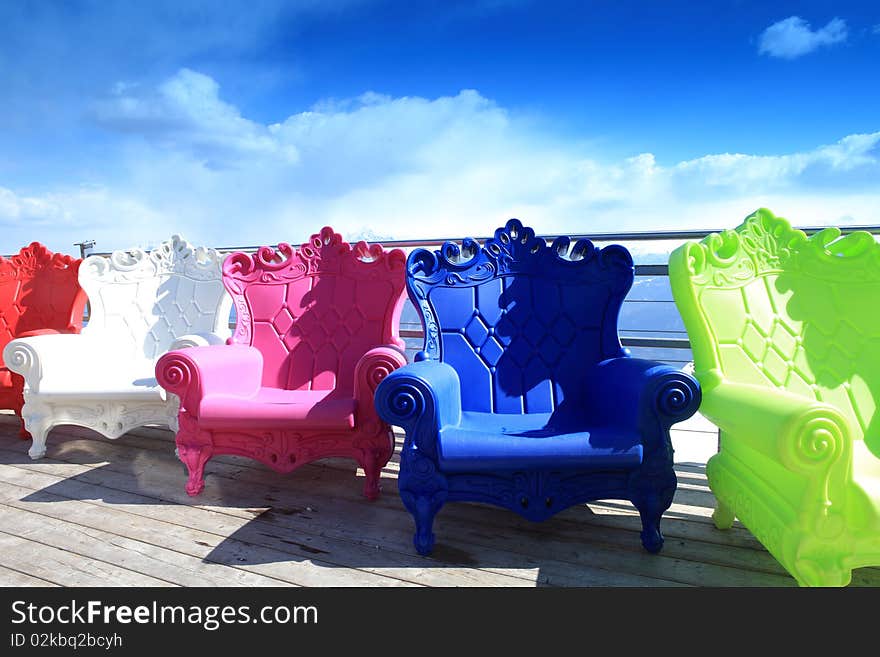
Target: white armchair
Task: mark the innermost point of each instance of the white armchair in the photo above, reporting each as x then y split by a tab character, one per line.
142	305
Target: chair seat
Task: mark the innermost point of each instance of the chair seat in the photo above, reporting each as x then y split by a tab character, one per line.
274	407
5	377
493	441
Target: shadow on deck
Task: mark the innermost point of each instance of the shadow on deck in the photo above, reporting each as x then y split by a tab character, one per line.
100	512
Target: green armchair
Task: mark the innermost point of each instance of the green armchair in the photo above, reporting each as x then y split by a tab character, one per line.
785	333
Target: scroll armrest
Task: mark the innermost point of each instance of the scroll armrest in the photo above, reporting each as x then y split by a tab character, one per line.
194	373
197	340
77	311
422	398
802	433
809	438
370	371
65	353
639	391
46	331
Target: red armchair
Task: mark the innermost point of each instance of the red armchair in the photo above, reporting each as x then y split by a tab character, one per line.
316	331
39	295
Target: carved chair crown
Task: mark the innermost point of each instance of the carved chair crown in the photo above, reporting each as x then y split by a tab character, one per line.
313	311
522	319
780	309
39	289
149	299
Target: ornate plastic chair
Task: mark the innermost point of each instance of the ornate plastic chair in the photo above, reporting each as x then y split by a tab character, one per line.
317	329
142	304
39	295
785	333
523	396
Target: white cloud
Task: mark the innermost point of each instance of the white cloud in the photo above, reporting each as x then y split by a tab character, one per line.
15	209
412	167
61	218
793	37
740	171
186	112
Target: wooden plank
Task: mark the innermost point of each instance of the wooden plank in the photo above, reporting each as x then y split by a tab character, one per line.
67	521
697	496
135	516
269	529
708	500
263	532
185	548
10	578
588	554
280	521
90	543
694	502
64	568
761	561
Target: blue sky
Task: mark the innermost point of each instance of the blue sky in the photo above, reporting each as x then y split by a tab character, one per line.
257	122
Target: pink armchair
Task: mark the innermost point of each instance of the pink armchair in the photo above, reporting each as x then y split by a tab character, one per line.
316	331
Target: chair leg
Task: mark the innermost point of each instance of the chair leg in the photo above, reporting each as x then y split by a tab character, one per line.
423	491
651	512
372	471
423	509
423	539
23	433
652	494
39	432
723	516
195	457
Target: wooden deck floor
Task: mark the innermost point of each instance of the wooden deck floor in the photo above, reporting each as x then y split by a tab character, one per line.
97	512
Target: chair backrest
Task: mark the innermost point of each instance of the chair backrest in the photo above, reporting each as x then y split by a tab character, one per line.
39	290
518	319
143	301
765	305
314	311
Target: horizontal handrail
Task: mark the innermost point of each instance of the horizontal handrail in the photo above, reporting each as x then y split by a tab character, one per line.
625	340
640	269
626	236
630	236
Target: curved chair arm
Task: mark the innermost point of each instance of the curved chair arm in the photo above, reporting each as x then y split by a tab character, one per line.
370	371
46	331
809	438
421	397
194	373
77	310
196	340
802	433
640	391
68	353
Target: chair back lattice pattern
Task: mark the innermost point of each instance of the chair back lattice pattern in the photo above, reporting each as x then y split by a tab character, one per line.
518	319
39	290
772	307
314	311
149	299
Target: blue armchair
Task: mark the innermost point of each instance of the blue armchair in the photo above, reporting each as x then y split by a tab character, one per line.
523	396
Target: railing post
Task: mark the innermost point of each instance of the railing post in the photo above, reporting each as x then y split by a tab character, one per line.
84	246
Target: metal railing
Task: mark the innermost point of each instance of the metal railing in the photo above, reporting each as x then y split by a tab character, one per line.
633	236
669	343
